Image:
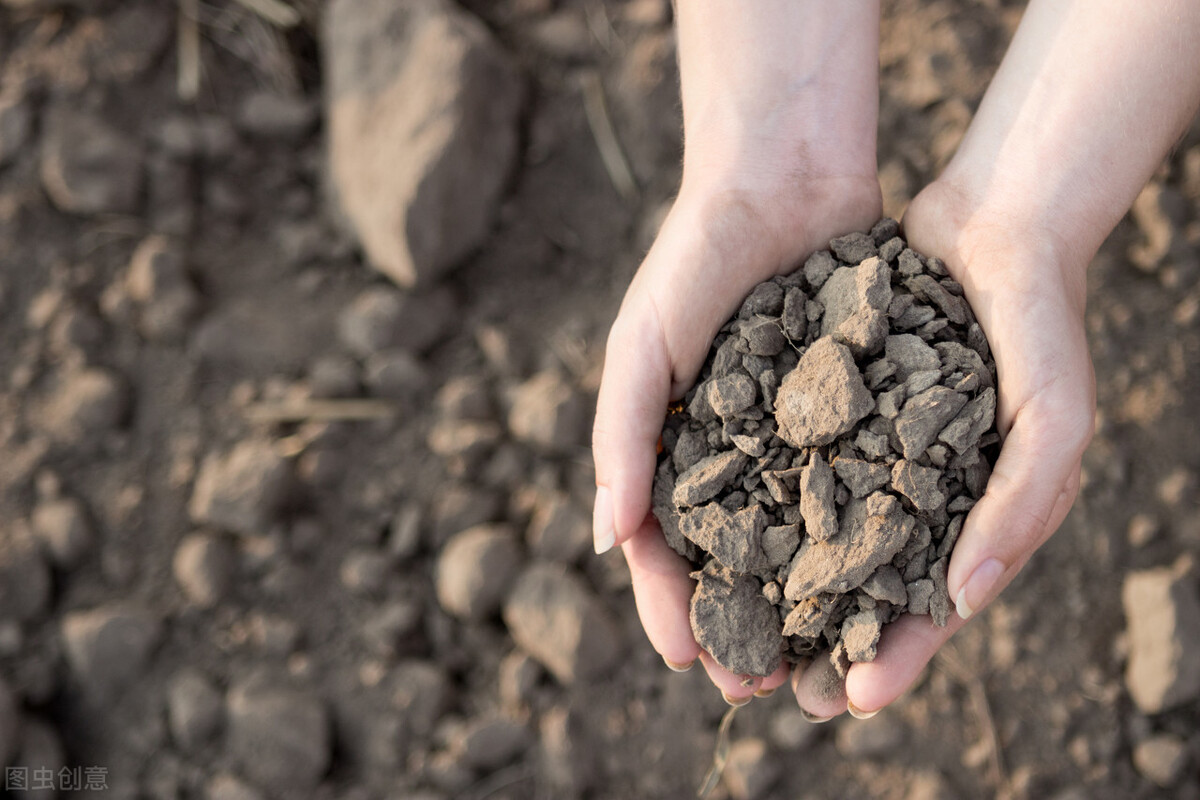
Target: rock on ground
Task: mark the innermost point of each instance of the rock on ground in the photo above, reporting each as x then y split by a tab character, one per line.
548	411
62	526
476	569
158	282
555	618
422	130
421	693
194	709
751	769
382	319
280	736
83	403
109	647
203	567
487	744
1161	758
876	738
1162	609
559	530
240	490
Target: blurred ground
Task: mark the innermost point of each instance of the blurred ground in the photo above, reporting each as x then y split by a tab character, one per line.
206	600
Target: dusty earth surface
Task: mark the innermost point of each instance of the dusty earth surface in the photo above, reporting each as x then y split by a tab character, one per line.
818	473
220	578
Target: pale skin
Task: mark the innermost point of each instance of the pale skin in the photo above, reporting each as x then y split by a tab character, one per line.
780	106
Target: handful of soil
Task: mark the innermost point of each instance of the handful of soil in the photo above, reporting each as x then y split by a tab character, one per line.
820	471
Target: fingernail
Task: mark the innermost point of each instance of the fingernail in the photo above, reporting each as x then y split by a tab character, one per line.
736	702
978	587
602	521
677	667
858	713
813	718
764	693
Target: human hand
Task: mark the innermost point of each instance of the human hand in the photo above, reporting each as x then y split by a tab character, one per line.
778	161
1027	292
1022	208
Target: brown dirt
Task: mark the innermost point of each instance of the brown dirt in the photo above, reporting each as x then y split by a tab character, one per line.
334	599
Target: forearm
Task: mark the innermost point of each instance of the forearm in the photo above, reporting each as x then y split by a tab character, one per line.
1089	98
779	79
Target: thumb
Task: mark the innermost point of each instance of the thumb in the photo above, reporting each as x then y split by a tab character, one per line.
630	410
1036	475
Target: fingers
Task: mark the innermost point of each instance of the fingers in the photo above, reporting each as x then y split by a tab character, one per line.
663	592
773	681
737	689
819	691
629	416
1035	476
901	655
908	644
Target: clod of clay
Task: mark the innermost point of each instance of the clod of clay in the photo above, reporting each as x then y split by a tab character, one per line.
734	622
820	472
823	397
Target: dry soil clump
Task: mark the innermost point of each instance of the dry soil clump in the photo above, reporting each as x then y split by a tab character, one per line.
820	470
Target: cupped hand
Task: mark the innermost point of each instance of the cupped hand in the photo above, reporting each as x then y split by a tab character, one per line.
714	247
1027	290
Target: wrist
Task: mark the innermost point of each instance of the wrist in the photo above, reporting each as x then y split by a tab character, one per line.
983	233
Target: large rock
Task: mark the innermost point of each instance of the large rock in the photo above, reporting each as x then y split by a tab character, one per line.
1162	607
553	616
422	119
